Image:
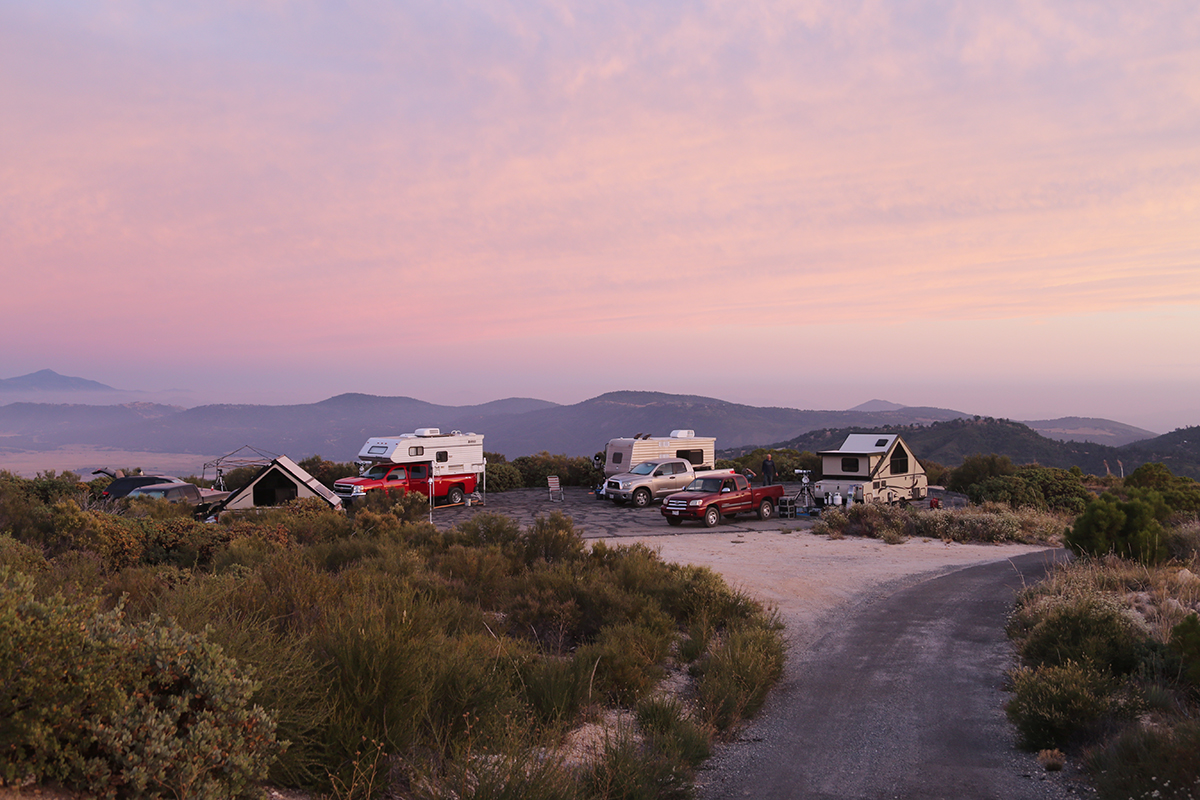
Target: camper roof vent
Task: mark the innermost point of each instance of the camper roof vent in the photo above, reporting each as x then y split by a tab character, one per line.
428	431
683	434
881	443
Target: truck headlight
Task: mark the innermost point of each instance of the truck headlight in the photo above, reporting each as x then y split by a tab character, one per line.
695	502
625	484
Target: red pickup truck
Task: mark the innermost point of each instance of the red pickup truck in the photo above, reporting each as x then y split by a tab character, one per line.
405	478
711	498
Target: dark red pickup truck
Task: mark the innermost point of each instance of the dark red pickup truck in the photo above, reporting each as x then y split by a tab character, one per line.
711	498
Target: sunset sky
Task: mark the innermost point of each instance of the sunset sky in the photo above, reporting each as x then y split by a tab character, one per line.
992	207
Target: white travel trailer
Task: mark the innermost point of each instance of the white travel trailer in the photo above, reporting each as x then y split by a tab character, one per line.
622	454
871	468
453	453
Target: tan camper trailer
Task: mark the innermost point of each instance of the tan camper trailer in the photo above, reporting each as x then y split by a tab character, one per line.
620	455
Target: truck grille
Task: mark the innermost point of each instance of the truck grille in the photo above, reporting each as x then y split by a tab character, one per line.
676	504
614	485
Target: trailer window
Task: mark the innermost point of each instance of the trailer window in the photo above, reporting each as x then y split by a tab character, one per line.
416	451
442	456
691	456
899	460
377	449
617	457
849	465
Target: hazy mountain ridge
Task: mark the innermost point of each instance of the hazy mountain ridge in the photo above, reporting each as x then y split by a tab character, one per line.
949	442
47	380
336	428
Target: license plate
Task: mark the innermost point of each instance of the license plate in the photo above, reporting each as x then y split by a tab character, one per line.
676	513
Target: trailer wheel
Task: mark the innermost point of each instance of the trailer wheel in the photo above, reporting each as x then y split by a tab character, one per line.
766	510
674	522
455	495
712	516
641	498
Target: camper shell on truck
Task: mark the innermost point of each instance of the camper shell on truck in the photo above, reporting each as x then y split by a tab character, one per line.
623	454
445	465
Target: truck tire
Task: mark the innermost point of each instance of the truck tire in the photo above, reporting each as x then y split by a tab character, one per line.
766	510
641	498
674	522
455	495
712	516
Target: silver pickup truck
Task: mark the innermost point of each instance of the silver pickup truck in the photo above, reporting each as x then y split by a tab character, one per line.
652	480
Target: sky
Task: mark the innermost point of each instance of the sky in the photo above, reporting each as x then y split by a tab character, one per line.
991	207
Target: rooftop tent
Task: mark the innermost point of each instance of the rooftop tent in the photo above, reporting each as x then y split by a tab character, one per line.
277	483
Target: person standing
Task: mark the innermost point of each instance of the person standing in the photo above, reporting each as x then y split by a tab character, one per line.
768	470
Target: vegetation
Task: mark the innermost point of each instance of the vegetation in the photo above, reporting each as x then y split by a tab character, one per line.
346	652
787	461
994	523
1110	650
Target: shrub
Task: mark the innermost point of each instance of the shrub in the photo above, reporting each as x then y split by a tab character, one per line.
119	709
1185	642
1128	528
557	687
1159	762
629	656
1053	705
737	675
672	732
551	539
1084	630
503	477
571	470
629	770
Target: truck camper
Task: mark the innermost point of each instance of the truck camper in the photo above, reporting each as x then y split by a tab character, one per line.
622	454
445	466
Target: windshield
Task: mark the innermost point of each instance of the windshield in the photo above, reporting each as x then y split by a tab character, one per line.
645	468
704	485
377	471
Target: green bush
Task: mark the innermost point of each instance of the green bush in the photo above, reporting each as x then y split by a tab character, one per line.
629	656
736	676
1128	528
119	710
503	477
1054	705
571	470
1084	630
1185	642
1143	763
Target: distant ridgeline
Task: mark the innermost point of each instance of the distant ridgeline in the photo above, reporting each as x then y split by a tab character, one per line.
949	442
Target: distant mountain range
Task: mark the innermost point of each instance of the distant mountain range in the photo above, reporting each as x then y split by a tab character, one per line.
337	427
949	442
47	380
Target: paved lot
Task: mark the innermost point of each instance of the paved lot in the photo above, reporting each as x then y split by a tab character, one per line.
598	519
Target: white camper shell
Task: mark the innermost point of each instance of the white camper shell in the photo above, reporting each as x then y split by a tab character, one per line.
621	455
454	453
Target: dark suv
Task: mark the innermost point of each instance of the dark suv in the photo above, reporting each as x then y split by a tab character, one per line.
126	484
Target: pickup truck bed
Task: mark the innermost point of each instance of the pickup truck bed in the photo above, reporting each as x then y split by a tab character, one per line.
710	498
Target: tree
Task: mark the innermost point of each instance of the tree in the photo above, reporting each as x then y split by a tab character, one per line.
978	468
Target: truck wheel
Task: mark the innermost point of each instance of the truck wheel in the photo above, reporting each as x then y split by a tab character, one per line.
674	522
712	516
766	510
641	498
455	495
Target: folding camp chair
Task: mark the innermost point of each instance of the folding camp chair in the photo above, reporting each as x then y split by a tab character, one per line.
552	481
